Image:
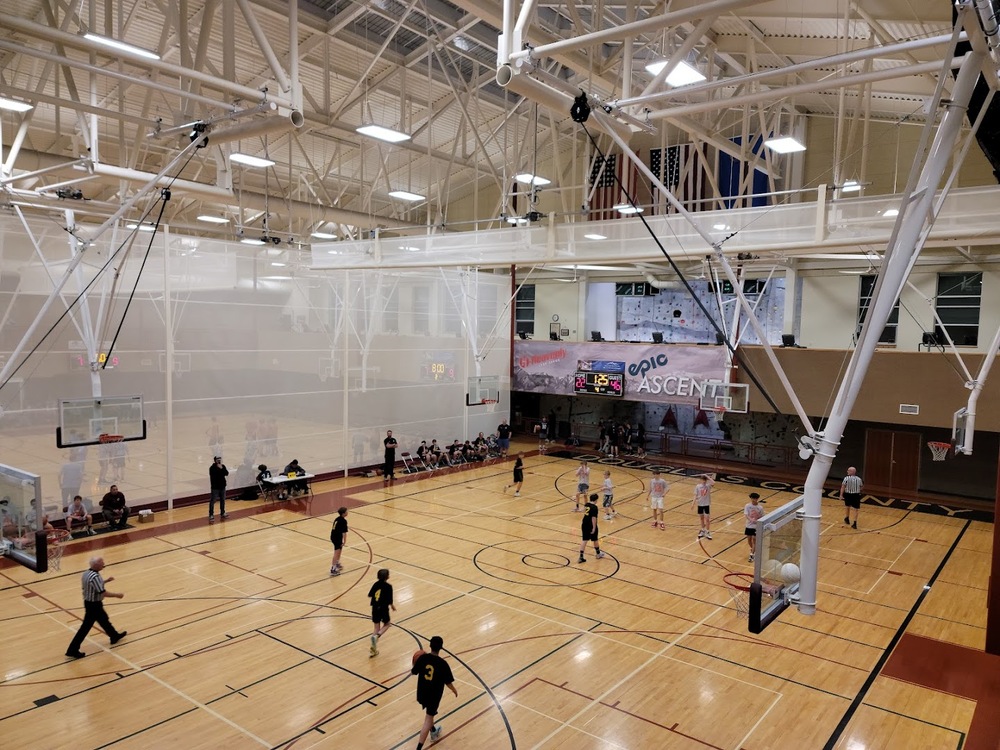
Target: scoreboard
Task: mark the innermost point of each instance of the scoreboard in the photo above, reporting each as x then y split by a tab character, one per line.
600	383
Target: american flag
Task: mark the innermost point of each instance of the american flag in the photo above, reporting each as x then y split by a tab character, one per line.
683	173
603	185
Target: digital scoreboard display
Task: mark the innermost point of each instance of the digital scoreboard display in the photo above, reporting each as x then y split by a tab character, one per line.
600	383
438	371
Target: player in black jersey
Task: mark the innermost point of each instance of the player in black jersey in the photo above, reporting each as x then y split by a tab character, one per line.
433	676
588	528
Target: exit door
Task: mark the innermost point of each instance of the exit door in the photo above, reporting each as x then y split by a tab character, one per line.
892	459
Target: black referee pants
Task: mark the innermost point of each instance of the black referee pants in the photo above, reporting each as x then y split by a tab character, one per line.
93	612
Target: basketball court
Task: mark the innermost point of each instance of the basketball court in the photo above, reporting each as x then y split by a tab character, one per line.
238	637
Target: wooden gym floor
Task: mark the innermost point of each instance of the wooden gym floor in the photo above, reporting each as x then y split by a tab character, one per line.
238	638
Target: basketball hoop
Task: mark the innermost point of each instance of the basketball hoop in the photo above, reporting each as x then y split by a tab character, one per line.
106	438
939	451
55	541
490	404
739	589
720	413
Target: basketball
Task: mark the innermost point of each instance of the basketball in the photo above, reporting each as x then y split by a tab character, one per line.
417	654
790	573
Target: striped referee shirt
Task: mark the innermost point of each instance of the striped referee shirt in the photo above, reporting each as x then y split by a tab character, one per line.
852	484
93	586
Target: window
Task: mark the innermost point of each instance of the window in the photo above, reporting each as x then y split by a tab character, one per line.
524	310
888	335
958	298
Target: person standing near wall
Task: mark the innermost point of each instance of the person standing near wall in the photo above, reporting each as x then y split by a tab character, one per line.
657	490
389	466
217	474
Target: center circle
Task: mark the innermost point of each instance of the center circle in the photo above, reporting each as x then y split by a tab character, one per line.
545	561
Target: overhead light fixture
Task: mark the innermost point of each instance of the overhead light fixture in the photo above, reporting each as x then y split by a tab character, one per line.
383	134
250	161
720	227
141	227
594	237
890	212
409	248
252	241
683	74
405	195
627	209
527	178
516	220
851	186
784	145
211	219
275	278
590	268
121	46
14	105
324	236
278	264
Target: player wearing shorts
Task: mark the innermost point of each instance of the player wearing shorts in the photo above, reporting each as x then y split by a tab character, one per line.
588	528
657	489
338	534
381	596
752	511
702	502
582	484
518	478
609	496
433	676
503	438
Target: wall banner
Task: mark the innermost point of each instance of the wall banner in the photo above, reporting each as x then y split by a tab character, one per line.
636	372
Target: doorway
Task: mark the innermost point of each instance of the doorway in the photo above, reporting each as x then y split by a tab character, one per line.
892	459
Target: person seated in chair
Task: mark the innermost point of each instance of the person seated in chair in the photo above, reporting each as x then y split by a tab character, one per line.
264	478
435	456
481	447
468	451
115	511
77	515
294	470
8	518
455	452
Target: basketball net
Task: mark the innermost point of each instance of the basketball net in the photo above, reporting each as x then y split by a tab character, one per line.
55	543
939	451
490	404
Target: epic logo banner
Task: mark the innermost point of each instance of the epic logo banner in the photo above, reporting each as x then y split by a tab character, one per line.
655	373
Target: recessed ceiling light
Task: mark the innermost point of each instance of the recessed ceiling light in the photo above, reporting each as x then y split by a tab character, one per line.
531	179
626	209
405	195
252	241
383	134
784	145
121	46
209	218
890	212
250	161
14	105
683	74
324	236
851	186
594	237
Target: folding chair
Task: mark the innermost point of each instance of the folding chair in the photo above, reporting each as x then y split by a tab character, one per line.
409	466
268	491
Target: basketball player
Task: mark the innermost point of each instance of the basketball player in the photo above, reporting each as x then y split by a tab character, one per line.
752	512
702	502
609	497
582	484
433	676
588	528
381	597
338	534
657	489
518	478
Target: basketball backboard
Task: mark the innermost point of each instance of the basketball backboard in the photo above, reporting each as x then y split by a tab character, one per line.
961	439
483	389
82	421
776	564
20	516
732	397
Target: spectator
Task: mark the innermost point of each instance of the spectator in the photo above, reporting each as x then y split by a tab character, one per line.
217	474
115	511
77	514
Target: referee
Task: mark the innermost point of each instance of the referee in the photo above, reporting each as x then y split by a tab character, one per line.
93	605
850	493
